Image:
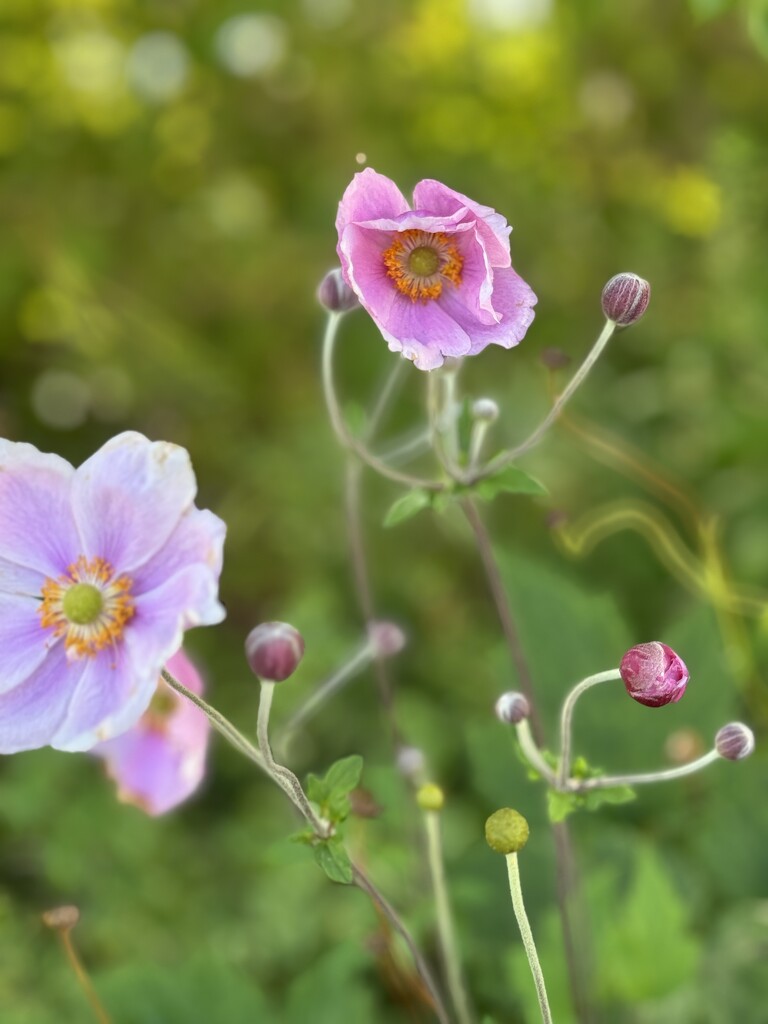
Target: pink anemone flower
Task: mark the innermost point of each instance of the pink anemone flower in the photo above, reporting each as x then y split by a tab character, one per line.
436	278
102	568
160	762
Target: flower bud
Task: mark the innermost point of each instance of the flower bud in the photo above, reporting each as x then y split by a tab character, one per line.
411	762
334	293
274	650
625	298
512	708
653	674
734	741
485	409
430	797
61	919
385	638
506	831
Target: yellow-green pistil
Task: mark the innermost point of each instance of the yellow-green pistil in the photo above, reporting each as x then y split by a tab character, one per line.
82	603
506	831
423	261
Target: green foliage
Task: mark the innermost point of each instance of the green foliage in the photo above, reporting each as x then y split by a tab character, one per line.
509	480
408	506
331	792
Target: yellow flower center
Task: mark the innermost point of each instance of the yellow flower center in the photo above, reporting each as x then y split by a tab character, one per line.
89	606
420	263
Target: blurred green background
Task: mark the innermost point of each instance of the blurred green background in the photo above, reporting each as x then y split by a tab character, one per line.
169	174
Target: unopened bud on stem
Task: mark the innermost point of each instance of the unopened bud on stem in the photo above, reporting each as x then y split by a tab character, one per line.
61	919
274	650
385	638
512	708
625	298
734	741
485	409
334	293
430	797
653	674
506	831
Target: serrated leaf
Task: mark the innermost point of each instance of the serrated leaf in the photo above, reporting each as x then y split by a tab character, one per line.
318	789
344	775
509	481
333	859
407	506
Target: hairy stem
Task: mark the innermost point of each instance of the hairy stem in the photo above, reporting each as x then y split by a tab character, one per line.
526	934
566	719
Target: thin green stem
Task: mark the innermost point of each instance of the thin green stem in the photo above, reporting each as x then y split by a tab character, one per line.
505	458
526	934
665	775
566	719
221	724
347	439
446	931
83	978
532	753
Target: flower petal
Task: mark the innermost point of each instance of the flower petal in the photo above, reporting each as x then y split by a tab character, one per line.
433	196
197	540
23	641
512	298
129	497
32	712
368	196
424	332
37	529
108	685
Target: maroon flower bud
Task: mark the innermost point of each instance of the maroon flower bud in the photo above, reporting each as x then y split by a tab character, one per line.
334	293
625	298
274	650
734	741
385	638
653	674
512	708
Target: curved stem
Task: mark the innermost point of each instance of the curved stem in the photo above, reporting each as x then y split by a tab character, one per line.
532	753
665	775
566	719
446	931
339	425
221	724
526	934
505	458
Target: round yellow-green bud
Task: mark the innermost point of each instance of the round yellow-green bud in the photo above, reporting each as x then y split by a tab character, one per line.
430	797
506	831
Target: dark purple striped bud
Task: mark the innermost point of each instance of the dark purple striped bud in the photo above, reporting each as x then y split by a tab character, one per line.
512	707
734	741
334	293
625	298
274	650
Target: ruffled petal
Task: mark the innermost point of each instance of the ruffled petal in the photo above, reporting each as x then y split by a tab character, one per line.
23	641
368	196
512	298
32	713
37	528
433	196
424	332
129	497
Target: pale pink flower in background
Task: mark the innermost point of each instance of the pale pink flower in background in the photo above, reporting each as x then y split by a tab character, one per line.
160	762
436	278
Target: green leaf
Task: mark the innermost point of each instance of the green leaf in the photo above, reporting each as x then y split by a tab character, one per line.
318	789
560	805
407	506
333	859
613	795
344	775
509	481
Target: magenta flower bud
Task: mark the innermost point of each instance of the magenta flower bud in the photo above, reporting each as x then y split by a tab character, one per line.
335	294
512	708
274	650
386	639
734	741
653	674
625	298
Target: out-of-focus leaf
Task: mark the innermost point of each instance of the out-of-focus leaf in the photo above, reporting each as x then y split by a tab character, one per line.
510	480
407	506
333	859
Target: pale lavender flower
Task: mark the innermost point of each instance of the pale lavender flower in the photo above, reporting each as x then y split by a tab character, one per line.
436	278
160	761
653	674
102	568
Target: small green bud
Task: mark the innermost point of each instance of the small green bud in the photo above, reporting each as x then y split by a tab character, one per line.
430	797
506	831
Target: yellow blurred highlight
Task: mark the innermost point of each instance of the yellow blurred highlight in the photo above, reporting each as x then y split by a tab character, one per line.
435	37
521	63
691	203
184	131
